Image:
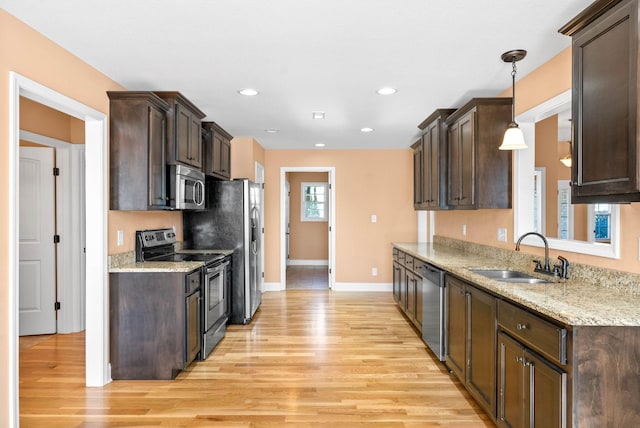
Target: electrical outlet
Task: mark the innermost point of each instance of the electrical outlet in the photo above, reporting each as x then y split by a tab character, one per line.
120	238
374	218
374	271
502	234
464	230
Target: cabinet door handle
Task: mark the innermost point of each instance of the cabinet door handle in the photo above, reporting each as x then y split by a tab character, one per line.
528	363
519	359
520	326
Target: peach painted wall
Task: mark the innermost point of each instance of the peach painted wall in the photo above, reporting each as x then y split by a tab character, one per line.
43	120
309	240
245	152
32	55
546	157
544	83
367	182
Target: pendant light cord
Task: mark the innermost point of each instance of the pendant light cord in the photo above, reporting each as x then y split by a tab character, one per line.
513	91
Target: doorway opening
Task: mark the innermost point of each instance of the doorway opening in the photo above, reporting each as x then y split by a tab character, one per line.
308	231
307	225
96	348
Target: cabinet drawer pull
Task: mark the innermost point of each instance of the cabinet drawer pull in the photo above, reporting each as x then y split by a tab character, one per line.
522	326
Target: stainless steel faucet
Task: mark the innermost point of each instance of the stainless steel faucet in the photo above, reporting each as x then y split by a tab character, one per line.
557	270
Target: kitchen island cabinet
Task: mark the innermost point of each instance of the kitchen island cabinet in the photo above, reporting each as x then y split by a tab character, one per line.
183	130
478	174
137	173
606	88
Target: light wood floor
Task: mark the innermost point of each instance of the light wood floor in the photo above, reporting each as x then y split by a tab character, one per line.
310	358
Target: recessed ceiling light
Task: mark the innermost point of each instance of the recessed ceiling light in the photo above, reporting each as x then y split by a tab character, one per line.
319	144
271	130
387	90
248	92
366	129
317	114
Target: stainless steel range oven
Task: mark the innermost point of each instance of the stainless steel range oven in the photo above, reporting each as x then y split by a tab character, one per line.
215	306
158	245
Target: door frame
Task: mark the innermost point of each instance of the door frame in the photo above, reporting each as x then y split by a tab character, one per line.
70	226
259	174
331	174
97	333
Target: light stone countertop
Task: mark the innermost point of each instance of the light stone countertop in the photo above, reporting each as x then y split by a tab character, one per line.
574	302
150	267
125	262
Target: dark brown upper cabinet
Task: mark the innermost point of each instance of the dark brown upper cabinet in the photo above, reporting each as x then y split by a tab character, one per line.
605	102
430	184
478	174
137	172
217	151
184	143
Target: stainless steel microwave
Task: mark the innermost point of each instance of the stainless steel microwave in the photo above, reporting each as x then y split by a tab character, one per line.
186	188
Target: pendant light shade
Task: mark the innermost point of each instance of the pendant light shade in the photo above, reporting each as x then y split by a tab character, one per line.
513	136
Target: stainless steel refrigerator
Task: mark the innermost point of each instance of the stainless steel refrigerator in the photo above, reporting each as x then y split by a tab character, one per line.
231	221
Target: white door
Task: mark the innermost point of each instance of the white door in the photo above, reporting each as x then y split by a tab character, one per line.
37	288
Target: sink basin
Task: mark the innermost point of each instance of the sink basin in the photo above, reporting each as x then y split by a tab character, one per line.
506	275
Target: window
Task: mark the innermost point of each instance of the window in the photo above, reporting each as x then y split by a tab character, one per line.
314	202
600	223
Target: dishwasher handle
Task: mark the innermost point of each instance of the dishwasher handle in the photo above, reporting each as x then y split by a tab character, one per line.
433	274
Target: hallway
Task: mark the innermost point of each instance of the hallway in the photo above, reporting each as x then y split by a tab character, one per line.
307	278
309	358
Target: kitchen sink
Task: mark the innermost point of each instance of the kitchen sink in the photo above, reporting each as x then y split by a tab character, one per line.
506	275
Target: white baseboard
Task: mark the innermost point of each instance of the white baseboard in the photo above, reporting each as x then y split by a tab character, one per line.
363	286
308	262
272	286
340	286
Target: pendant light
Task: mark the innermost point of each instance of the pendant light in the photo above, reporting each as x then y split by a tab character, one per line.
513	136
566	161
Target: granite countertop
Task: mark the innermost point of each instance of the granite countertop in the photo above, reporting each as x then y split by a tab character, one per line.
574	302
125	262
156	267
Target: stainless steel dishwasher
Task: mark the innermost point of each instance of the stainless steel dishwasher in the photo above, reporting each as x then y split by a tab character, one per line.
434	306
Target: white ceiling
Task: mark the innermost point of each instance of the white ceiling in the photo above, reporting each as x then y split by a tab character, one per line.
304	56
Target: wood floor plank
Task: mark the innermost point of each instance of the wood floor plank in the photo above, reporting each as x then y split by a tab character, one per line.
310	358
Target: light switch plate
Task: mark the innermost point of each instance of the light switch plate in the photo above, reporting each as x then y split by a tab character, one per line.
502	234
120	238
374	218
374	271
464	230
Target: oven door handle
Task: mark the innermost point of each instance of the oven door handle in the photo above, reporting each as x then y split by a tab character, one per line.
217	268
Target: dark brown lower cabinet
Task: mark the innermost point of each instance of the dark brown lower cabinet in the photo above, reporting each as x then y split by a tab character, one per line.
471	347
532	392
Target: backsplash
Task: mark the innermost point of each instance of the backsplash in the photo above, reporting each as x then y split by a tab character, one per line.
613	279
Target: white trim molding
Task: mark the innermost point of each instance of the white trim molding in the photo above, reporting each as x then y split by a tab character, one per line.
97	326
523	187
363	286
308	262
273	286
331	173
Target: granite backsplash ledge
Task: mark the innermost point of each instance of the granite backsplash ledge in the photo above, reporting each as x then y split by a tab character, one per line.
518	260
